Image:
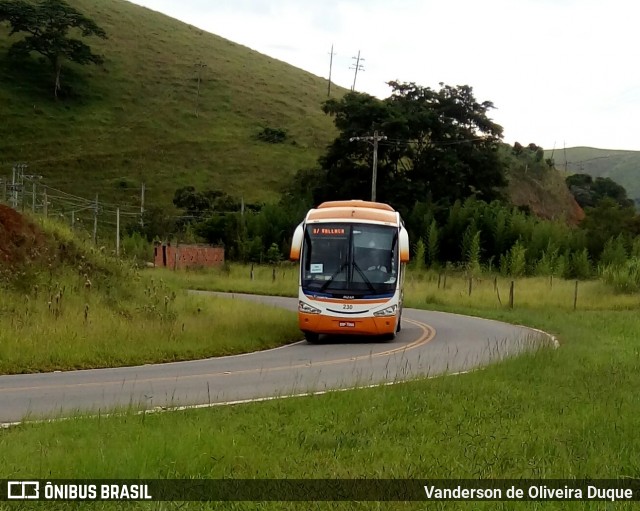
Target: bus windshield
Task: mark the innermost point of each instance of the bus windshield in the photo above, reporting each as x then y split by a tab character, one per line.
350	259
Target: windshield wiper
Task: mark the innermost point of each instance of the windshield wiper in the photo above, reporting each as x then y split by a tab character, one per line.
338	272
364	278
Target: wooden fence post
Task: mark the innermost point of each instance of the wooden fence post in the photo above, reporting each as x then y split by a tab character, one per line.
511	292
575	296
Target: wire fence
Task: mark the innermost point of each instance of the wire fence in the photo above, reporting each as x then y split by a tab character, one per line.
100	221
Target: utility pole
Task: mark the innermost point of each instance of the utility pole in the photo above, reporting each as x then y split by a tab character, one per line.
33	178
200	66
142	206
95	221
358	67
330	68
118	232
374	178
14	196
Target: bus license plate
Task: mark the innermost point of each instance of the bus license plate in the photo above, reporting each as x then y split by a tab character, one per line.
347	324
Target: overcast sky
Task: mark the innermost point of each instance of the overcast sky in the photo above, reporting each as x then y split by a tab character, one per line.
559	72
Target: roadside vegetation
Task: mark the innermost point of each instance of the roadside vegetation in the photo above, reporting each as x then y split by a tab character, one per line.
76	307
427	289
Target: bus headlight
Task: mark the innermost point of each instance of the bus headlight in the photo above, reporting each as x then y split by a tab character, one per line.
305	307
389	311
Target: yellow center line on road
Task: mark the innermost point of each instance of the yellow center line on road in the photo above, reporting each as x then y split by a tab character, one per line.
427	335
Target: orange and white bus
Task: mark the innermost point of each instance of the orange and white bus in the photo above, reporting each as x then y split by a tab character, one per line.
352	256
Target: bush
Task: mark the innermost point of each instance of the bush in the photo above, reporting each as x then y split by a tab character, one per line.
273	135
514	263
135	247
419	255
624	278
580	264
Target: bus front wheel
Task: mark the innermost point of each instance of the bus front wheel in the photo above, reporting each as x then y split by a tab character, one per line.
399	327
312	337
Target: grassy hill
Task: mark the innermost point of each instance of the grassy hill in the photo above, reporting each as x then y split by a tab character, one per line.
621	166
139	118
134	119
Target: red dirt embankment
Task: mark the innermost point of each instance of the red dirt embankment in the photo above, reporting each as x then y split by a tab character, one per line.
21	241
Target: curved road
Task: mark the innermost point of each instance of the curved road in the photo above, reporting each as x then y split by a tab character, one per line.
430	343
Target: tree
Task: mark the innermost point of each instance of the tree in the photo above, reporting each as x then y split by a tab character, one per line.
48	24
440	145
606	220
588	192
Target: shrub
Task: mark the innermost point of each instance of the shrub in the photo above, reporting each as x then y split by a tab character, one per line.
419	257
624	278
580	264
272	135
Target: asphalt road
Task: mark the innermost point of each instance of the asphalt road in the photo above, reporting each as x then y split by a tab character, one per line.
430	343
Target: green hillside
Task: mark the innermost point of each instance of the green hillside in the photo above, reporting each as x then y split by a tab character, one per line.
139	118
134	119
621	166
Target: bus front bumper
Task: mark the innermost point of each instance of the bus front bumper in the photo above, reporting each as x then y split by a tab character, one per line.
320	324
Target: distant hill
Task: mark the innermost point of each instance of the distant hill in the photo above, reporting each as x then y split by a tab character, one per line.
621	166
134	119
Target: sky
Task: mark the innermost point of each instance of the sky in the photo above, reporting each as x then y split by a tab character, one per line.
560	73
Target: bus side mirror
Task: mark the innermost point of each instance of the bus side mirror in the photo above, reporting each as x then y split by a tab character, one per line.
404	245
296	243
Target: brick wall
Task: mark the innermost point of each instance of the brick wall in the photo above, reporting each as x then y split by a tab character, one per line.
187	256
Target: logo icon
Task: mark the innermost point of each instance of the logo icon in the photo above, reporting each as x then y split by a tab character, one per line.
23	490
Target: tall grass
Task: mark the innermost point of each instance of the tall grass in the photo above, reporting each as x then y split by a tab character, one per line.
86	309
425	288
67	326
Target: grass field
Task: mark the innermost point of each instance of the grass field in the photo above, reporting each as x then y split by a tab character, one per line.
423	289
88	329
90	310
567	413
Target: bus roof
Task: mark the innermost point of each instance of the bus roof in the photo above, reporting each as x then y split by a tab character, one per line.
355	203
352	211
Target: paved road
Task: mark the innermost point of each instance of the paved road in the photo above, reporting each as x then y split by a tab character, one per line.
430	343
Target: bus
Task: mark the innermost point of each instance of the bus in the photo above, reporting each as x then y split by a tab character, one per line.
352	261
